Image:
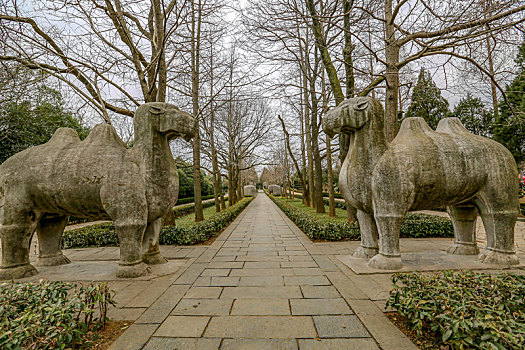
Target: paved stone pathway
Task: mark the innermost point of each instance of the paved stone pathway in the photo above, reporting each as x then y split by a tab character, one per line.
262	284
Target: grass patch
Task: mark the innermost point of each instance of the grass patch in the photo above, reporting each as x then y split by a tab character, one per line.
189	219
340	214
464	310
185	231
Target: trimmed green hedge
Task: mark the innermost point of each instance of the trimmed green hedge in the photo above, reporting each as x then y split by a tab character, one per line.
104	235
51	315
414	225
467	310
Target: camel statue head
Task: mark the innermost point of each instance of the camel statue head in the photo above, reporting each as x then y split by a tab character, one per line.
164	118
352	114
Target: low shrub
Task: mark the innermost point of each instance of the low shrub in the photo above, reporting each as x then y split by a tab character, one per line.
466	309
414	225
104	235
51	315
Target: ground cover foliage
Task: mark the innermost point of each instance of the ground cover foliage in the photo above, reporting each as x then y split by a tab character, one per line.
52	315
466	310
321	226
185	232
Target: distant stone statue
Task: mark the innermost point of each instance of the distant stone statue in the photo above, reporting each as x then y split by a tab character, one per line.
97	178
274	189
424	169
250	191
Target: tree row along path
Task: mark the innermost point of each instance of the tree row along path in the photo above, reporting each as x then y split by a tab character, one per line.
262	284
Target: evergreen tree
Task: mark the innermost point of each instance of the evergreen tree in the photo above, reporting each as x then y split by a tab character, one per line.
474	116
185	171
427	101
32	120
509	130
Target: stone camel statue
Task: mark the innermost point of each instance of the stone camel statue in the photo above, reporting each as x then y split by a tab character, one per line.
424	169
97	178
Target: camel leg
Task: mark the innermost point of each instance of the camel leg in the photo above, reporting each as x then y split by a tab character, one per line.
16	240
464	221
49	231
128	209
130	232
150	244
369	236
499	226
389	257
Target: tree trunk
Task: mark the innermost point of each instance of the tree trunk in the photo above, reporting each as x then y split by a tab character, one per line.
223	203
169	218
330	175
287	141
195	52
232	195
214	160
307	127
392	74
318	179
306	195
348	49
331	201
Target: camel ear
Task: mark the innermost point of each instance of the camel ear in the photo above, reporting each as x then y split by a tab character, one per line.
156	110
361	105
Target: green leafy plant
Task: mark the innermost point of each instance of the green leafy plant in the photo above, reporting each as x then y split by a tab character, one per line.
414	225
51	315
104	235
468	310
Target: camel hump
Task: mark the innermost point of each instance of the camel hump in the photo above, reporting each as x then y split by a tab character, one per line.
451	126
104	134
413	126
64	135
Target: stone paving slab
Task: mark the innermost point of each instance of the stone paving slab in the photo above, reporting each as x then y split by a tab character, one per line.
340	327
259	344
200	307
183	327
164	343
261	307
261	327
338	344
320	307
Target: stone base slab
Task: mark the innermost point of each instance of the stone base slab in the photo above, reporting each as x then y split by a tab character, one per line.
99	271
426	261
